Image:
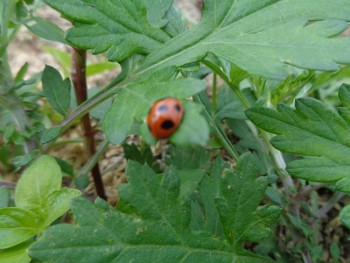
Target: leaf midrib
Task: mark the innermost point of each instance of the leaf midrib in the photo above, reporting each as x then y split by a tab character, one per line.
193	44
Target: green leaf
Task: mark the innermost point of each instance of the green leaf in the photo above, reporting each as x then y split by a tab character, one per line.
41	179
154	220
344	216
100	30
45	29
314	131
344	95
228	106
194	128
133	102
57	203
335	251
63	58
50	134
16	226
260	37
156	10
240	219
16	254
56	90
99	67
102	108
191	157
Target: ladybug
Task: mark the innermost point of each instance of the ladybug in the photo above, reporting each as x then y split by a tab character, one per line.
164	117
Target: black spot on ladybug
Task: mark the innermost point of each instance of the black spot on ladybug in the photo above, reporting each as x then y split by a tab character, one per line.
177	107
163	108
167	125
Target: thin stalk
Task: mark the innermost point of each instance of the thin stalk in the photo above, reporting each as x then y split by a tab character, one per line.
214	95
80	87
330	204
219	132
94	159
232	86
87	105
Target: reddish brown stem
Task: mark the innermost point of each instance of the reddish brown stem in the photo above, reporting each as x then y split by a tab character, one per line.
80	87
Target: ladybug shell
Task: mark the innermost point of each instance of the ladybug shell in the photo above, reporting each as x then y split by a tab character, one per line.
165	117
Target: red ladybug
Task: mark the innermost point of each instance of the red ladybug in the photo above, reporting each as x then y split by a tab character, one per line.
165	117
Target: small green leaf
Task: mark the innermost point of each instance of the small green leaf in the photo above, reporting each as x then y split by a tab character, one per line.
16	254
62	57
22	72
41	179
56	90
344	216
134	102
45	29
335	251
57	203
99	67
16	226
51	134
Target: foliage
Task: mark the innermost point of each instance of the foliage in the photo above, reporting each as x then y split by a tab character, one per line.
270	112
158	224
40	200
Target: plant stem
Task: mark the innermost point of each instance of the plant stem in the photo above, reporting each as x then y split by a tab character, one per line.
329	205
94	159
214	95
219	132
80	87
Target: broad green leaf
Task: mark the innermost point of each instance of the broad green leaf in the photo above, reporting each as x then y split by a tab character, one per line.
241	194
16	226
344	216
260	37
152	222
41	179
57	203
314	131
56	90
156	222
194	129
133	102
98	28
45	29
190	157
16	254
